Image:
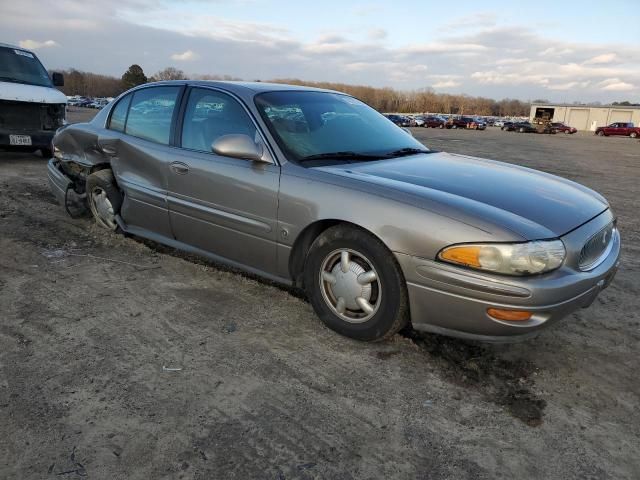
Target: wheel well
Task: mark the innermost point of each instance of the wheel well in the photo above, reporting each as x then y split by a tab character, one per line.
99	166
301	247
303	243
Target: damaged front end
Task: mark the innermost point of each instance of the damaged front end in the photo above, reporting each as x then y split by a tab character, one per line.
68	185
29	125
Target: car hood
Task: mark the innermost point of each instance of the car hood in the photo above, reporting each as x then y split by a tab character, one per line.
30	93
533	204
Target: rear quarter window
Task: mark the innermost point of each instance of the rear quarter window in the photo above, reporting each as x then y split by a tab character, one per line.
119	114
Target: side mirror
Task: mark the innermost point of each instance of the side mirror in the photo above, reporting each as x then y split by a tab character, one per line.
238	146
58	79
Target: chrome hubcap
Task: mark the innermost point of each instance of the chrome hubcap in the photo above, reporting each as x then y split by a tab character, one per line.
102	207
350	285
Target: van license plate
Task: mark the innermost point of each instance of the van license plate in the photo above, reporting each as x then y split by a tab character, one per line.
19	140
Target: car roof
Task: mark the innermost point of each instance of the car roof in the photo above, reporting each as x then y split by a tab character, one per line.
240	87
8	45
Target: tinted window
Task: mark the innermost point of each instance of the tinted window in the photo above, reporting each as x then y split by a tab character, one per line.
119	114
210	115
151	112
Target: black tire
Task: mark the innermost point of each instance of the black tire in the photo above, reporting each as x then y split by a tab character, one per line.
600	133
521	130
46	153
633	134
392	312
104	180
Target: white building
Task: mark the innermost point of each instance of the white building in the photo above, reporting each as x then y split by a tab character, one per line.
586	117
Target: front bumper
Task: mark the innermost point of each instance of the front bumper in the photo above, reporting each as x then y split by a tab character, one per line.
58	181
39	139
454	301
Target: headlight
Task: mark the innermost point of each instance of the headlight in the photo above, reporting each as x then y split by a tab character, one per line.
509	259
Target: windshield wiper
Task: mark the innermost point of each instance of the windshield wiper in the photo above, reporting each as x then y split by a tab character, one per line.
11	79
341	156
406	151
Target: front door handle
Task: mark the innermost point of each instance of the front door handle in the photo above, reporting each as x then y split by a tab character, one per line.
180	168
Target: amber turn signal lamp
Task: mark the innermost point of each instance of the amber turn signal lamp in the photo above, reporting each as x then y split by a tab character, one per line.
510	315
462	255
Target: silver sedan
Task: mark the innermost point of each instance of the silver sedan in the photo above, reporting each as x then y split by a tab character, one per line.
315	189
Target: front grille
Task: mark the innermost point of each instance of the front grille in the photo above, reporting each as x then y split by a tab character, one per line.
28	117
597	248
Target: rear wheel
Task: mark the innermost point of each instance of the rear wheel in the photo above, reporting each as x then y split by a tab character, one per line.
355	284
104	198
521	130
633	134
601	133
46	153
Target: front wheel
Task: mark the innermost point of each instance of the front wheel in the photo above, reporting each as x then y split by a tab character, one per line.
521	130
633	134
355	284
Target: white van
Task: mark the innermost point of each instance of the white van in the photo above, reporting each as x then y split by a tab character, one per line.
31	109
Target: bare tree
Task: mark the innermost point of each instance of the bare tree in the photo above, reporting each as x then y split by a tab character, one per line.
169	73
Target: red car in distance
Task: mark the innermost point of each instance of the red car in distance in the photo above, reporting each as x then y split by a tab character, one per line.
562	128
619	128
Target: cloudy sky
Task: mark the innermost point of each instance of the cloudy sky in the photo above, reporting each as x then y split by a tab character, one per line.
563	51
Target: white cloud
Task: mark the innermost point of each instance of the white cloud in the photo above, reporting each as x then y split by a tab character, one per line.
377	34
186	56
34	45
556	52
446	84
604	58
445	47
616	85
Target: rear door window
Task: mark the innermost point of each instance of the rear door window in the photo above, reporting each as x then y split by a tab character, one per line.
151	112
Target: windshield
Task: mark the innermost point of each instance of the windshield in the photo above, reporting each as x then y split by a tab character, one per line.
310	125
18	66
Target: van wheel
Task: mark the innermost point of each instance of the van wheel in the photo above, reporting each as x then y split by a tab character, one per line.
355	285
104	198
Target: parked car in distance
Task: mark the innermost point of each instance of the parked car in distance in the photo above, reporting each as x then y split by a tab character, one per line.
98	103
521	127
399	120
619	128
562	128
417	121
315	189
433	121
480	123
464	122
506	125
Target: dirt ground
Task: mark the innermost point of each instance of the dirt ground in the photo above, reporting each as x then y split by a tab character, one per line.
123	359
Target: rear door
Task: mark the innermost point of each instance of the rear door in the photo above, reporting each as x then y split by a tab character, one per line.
137	140
226	206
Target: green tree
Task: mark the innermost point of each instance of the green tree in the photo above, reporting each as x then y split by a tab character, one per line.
133	76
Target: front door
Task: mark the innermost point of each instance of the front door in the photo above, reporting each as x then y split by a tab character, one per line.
226	206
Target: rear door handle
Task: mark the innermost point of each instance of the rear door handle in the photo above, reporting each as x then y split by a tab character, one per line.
112	152
180	168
